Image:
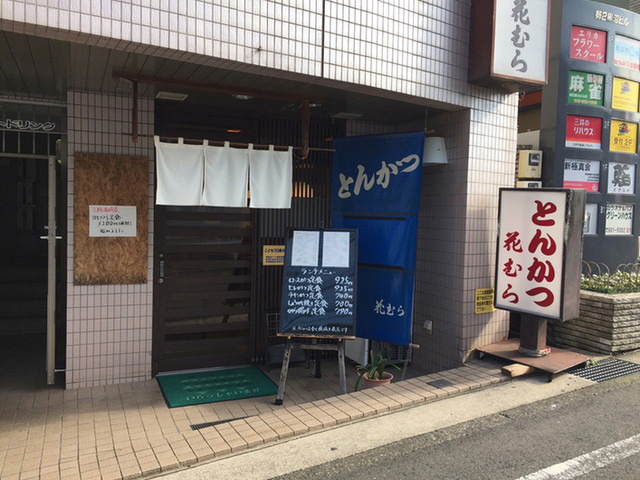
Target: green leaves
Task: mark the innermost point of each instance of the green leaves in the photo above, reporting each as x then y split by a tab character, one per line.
375	369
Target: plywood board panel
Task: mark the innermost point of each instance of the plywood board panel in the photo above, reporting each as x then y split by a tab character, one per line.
110	180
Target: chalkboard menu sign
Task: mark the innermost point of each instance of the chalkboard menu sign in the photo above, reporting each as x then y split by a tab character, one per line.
319	283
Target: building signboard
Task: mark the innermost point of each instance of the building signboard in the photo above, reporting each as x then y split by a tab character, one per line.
626	52
618	219
583	132
624	94
582	174
586	88
509	42
624	137
588	44
622	178
520	48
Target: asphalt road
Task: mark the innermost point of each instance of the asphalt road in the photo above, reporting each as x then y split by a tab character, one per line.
590	433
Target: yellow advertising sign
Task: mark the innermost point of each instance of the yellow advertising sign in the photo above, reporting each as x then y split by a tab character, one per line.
624	137
624	95
484	300
273	255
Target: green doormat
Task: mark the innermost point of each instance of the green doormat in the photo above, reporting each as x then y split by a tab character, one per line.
194	388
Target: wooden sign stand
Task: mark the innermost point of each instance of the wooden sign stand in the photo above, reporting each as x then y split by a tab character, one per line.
339	347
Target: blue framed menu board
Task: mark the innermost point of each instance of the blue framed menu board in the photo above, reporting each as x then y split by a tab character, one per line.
319	283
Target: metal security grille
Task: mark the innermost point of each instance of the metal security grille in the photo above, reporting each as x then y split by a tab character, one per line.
200	426
606	369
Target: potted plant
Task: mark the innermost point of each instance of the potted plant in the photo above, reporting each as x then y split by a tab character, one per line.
374	373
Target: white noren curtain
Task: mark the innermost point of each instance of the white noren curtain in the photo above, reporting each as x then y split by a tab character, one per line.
270	178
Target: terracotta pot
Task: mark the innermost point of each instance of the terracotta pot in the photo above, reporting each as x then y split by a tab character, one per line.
367	382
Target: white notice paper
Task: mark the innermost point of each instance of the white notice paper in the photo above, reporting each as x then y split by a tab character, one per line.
335	249
304	251
112	221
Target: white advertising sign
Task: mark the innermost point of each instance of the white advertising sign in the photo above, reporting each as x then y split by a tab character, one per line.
305	248
619	219
520	39
591	219
622	178
582	174
112	221
531	246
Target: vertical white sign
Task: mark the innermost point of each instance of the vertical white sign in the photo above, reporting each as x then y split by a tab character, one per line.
531	251
520	39
335	249
305	249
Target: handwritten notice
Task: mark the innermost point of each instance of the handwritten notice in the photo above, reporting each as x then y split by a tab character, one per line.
319	284
112	221
335	249
305	248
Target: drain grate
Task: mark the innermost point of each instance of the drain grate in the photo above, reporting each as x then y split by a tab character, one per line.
606	369
440	383
198	426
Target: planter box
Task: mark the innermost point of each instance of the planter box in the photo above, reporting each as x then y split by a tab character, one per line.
607	324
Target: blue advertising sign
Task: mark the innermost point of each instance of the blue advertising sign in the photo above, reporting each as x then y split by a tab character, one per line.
377	173
376	190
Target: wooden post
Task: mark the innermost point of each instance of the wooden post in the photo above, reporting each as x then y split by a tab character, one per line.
339	347
284	371
341	368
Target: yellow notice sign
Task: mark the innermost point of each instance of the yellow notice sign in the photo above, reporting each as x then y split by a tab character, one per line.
624	95
484	300
624	137
273	255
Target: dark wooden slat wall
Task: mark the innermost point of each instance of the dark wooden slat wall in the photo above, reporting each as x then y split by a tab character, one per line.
203	302
310	208
229	274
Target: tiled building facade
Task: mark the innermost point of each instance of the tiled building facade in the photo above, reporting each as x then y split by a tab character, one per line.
406	51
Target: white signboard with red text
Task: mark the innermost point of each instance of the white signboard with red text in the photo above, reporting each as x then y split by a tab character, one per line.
532	250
